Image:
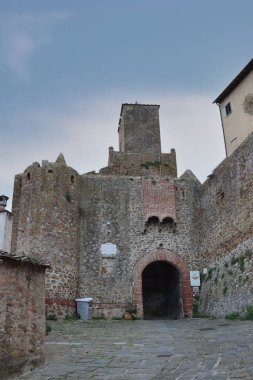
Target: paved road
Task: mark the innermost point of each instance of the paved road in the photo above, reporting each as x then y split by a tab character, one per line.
131	350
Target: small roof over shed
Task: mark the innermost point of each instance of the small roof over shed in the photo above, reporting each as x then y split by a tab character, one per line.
23	259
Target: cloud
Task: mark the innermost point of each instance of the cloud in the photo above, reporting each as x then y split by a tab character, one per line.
21	35
84	128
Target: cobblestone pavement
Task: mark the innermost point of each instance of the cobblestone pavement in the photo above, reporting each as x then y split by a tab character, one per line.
131	350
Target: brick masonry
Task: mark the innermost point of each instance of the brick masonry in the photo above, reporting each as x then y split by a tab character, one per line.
159	199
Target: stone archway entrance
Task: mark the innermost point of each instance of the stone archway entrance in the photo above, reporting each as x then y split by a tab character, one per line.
175	262
162	291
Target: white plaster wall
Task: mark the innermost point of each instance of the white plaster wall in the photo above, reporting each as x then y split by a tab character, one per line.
238	124
5	230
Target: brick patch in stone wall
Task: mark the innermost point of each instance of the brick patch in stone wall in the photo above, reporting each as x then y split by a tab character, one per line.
159	198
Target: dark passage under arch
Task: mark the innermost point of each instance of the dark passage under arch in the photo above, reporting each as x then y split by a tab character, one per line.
162	293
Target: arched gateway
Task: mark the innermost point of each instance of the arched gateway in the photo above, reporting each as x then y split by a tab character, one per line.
162	286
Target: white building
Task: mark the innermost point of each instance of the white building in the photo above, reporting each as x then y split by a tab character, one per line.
236	109
5	225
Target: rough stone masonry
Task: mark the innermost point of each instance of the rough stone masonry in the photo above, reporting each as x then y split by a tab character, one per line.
130	234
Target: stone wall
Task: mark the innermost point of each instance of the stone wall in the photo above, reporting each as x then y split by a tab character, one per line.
22	314
141	164
226	204
46	216
112	211
139	129
226	230
228	285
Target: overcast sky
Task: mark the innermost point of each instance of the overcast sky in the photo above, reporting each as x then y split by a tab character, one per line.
67	65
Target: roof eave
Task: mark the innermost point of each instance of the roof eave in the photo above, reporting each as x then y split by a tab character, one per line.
245	71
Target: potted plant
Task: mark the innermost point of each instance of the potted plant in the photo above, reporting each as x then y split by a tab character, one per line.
129	313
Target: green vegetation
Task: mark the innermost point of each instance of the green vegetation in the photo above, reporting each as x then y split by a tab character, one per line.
68	196
209	274
234	260
248	316
155	164
34	260
48	328
233	316
225	289
71	318
241	263
249	313
195	309
248	254
99	317
51	317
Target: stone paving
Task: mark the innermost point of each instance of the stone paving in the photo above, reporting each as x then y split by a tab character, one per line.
143	350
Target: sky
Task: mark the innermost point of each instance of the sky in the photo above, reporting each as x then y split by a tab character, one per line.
66	66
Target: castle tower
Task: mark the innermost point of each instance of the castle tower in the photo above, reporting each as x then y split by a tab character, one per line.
45	207
139	129
140	144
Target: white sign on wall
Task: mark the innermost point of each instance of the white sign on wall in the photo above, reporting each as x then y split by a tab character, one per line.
108	249
195	278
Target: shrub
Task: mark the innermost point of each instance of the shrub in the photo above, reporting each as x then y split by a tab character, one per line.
241	264
70	318
68	197
225	290
51	317
233	316
249	313
99	317
234	261
48	328
248	253
209	274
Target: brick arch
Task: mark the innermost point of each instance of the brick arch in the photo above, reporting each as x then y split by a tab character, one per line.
171	258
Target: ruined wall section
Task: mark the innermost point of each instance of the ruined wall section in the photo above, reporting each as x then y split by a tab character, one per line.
46	227
22	314
112	212
226	206
141	164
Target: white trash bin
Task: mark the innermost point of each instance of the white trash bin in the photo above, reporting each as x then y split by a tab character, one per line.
84	308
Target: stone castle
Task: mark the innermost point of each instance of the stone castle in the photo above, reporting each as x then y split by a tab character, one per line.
131	234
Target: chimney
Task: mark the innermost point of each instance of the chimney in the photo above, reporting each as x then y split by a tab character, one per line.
3	202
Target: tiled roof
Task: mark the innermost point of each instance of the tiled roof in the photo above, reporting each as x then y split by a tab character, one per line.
24	259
